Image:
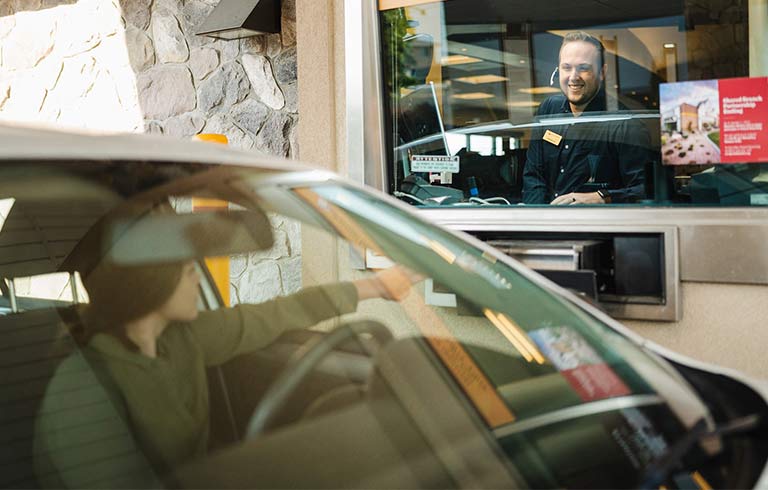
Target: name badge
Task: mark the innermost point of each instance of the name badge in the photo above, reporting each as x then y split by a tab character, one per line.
552	137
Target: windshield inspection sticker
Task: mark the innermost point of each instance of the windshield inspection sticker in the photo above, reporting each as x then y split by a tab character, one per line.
434	163
564	347
638	438
580	365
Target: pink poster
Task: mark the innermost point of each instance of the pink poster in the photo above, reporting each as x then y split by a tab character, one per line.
744	120
714	121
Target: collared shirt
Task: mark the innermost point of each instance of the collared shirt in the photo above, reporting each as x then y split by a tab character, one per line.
156	410
585	157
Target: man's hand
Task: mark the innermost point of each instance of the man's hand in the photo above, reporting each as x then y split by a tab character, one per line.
392	284
578	198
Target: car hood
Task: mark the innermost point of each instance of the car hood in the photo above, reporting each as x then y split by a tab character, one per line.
759	386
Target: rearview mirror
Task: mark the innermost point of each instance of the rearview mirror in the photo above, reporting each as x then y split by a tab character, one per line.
163	237
176	237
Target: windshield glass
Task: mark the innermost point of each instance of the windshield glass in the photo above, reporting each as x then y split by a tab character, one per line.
532	364
195	289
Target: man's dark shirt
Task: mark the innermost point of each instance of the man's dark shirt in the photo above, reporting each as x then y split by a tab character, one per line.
608	155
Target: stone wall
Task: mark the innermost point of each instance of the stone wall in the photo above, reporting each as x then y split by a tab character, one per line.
245	89
66	63
137	65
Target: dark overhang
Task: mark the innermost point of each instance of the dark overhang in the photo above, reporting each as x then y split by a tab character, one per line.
235	19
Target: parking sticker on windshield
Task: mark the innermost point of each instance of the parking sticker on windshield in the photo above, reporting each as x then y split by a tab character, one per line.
579	363
638	438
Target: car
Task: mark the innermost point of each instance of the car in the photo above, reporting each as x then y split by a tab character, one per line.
458	367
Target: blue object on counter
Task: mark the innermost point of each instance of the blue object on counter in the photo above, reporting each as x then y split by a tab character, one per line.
472	184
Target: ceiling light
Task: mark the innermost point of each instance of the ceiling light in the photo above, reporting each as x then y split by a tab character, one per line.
459	59
669	45
539	90
475	80
524	103
474	96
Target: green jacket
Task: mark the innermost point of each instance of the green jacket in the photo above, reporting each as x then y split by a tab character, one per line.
113	417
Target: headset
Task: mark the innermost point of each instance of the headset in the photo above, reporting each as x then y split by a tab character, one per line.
555	75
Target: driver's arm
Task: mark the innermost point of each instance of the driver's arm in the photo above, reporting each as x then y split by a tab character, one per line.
228	332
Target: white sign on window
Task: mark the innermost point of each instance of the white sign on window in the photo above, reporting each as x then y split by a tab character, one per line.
434	163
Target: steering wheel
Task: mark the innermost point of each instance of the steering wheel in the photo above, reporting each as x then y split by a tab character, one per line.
302	363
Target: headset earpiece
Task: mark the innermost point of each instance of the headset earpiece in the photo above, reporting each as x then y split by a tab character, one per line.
555	75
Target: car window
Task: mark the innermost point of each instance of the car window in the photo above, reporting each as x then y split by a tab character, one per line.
43	291
425	339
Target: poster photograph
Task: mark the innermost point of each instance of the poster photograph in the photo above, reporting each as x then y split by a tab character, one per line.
690	122
714	121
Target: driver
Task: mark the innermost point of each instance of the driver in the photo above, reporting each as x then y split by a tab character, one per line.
149	346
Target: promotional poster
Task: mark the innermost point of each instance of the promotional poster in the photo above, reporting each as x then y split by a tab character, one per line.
714	121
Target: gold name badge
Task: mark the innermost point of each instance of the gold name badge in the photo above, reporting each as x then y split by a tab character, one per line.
552	137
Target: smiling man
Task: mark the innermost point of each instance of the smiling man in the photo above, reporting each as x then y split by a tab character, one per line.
594	161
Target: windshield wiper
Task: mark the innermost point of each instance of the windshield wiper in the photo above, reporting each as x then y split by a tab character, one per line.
659	469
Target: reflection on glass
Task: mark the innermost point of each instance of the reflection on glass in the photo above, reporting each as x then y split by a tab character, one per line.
149	377
463	73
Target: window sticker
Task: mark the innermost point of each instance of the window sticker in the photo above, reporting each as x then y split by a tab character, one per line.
435	163
577	361
638	438
714	121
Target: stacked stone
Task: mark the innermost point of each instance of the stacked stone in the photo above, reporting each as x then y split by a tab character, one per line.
259	276
245	89
137	65
64	62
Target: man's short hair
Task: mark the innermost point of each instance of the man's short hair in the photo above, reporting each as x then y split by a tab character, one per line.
587	38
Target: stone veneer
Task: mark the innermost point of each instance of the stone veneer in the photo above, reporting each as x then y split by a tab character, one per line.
136	65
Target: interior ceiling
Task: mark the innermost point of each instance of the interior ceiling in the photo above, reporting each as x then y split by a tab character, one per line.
545	13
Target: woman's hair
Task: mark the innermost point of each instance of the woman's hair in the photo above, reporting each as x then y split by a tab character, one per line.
121	294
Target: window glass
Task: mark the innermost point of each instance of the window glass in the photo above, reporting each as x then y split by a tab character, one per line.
496	103
556	373
45	290
147	384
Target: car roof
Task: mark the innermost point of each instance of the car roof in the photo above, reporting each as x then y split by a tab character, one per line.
25	142
30	255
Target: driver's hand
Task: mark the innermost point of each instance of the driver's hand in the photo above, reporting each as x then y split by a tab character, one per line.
392	284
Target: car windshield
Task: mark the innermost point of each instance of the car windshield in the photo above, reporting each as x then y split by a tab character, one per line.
463	354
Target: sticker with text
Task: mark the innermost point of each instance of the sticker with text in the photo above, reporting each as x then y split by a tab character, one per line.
434	163
579	363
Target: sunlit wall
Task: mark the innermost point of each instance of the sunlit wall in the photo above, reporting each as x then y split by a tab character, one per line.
66	63
138	65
